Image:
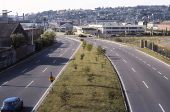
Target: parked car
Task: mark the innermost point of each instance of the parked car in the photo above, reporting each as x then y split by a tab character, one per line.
81	35
90	35
12	104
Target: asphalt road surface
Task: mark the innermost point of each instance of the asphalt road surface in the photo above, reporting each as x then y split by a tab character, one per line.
146	80
29	80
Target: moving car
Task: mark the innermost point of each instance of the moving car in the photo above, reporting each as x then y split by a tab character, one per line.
12	104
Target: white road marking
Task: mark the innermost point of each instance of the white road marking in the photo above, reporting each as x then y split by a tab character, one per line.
140	59
160	73
144	62
145	84
44	69
46	92
153	68
25	70
117	54
136	57
4	83
54	61
60	55
166	77
124	61
133	70
161	107
113	48
29	84
37	61
149	65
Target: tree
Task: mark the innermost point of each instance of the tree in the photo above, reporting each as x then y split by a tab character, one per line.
84	44
48	37
82	56
100	50
89	47
17	40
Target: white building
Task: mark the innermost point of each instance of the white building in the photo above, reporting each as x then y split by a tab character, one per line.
115	29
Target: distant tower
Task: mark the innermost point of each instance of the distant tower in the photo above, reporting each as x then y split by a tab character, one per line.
23	16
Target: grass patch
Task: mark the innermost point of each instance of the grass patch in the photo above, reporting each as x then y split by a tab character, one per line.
156	55
88	84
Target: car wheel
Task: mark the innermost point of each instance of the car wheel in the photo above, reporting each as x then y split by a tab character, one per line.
22	106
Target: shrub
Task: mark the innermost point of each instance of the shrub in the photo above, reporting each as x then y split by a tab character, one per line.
82	56
89	47
118	39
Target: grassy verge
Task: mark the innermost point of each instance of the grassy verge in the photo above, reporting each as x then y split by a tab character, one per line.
88	84
156	55
135	42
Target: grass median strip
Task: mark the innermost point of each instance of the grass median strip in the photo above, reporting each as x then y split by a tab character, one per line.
89	84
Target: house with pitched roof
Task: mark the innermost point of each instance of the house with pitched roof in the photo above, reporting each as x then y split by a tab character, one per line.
8	29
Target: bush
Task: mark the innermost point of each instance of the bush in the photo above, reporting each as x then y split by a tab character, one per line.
89	47
82	56
38	45
48	38
69	33
17	40
118	39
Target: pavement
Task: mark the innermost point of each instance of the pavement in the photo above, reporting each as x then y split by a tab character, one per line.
29	80
146	80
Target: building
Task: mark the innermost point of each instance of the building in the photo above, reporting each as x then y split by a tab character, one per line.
65	27
85	30
152	26
164	26
7	29
117	29
33	33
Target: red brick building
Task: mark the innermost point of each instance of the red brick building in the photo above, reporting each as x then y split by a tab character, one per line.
164	26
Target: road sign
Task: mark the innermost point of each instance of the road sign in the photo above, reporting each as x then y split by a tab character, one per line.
51	78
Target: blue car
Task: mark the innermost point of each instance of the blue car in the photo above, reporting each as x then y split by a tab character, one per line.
12	104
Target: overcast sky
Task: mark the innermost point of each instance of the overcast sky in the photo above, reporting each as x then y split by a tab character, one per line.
28	6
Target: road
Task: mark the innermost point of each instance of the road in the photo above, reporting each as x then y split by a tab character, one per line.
29	80
146	80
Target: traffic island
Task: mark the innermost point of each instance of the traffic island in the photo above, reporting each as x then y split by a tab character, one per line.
88	84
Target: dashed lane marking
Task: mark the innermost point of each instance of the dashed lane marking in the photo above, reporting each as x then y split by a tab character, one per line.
24	70
4	83
166	77
154	68
145	84
161	107
124	61
133	70
160	73
44	69
149	65
29	84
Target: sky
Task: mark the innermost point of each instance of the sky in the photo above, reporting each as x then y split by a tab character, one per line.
34	6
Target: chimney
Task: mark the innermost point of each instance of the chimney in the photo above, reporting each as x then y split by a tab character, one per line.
23	16
5	16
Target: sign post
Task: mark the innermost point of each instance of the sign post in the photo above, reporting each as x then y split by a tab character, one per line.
51	79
